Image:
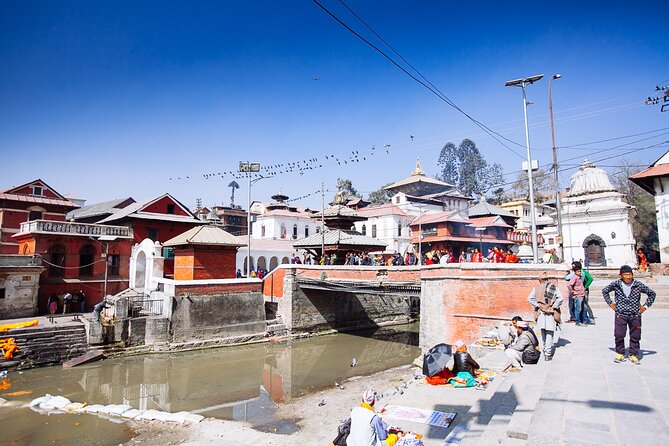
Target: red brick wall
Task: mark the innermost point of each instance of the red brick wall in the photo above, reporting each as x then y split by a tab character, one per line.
471	298
197	289
199	262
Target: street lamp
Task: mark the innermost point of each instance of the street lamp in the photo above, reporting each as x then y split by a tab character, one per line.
248	168
558	206
522	83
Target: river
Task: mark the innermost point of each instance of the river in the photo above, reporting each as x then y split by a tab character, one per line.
244	383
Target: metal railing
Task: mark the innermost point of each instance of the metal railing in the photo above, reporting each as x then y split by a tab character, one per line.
144	305
83	229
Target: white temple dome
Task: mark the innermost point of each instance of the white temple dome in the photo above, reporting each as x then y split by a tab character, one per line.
589	180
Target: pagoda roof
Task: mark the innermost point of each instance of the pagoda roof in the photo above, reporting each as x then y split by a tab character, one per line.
339	238
205	235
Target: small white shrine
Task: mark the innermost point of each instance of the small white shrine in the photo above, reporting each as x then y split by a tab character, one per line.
596	222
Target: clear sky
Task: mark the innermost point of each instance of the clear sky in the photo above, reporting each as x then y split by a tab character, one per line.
112	99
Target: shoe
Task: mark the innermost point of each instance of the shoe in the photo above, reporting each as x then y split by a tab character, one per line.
619	358
570	321
634	360
578	324
548	358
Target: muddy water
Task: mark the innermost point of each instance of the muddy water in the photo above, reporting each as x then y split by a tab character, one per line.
235	383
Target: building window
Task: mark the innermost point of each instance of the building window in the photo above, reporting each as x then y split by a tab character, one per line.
153	234
294	231
397	200
318	229
37	190
2	293
57	261
364	230
34	215
114	263
86	259
284	233
170	208
399	229
168	253
262	231
306	231
373	231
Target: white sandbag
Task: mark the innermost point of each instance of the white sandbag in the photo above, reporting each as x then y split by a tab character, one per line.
74	407
132	414
37	401
2	401
116	409
55	402
93	408
148	415
188	417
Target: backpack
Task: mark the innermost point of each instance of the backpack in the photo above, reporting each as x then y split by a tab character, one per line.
531	356
342	433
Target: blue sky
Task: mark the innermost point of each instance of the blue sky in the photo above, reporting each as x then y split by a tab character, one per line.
112	100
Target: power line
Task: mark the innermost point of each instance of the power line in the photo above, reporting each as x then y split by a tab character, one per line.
428	85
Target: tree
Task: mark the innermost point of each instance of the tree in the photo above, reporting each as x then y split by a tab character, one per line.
543	185
380	196
498	196
644	224
347	187
465	167
233	185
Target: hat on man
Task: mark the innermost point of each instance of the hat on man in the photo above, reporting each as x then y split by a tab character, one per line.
625	269
459	344
522	324
369	397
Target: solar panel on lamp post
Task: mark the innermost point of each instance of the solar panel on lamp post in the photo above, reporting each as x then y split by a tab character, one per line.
522	82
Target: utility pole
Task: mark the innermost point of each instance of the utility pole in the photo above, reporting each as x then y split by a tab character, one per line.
323	221
558	205
106	267
522	83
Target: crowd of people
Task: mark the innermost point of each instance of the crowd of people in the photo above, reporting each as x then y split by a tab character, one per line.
67	302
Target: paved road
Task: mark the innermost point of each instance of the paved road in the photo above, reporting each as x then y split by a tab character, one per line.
588	399
580	398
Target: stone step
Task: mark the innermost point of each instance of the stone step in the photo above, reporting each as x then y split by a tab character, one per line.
48	345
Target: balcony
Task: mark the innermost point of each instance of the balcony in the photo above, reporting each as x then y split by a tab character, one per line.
77	229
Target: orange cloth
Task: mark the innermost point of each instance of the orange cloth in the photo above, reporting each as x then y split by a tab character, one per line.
440	378
9	347
5	384
6	327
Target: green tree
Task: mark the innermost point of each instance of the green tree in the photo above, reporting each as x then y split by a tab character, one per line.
543	185
644	224
498	196
465	167
347	187
380	196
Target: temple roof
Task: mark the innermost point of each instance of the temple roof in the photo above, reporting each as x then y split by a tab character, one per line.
340	239
590	179
419	183
205	235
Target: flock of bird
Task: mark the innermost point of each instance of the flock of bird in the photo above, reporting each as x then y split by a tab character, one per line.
300	167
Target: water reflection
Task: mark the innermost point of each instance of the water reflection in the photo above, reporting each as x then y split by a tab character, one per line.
235	383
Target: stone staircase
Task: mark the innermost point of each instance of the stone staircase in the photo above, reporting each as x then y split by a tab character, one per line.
46	344
660	287
276	327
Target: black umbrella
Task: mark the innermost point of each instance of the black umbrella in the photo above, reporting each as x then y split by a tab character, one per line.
436	358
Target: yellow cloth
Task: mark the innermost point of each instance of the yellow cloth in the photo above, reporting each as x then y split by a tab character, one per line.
6	327
9	347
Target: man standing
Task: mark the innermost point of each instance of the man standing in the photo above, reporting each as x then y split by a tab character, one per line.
628	310
576	294
546	300
67	300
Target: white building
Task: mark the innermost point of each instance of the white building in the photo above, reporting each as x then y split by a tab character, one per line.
655	180
387	223
596	222
275	227
521	209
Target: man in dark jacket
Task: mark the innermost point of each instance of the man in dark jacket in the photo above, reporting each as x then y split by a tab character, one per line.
628	310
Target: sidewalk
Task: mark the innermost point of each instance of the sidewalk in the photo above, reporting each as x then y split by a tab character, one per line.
580	398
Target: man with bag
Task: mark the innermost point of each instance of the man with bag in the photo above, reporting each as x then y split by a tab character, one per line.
546	300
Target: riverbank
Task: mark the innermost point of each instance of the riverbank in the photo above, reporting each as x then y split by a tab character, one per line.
542	404
317	424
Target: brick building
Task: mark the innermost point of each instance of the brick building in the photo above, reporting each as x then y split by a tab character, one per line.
74	254
34	200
